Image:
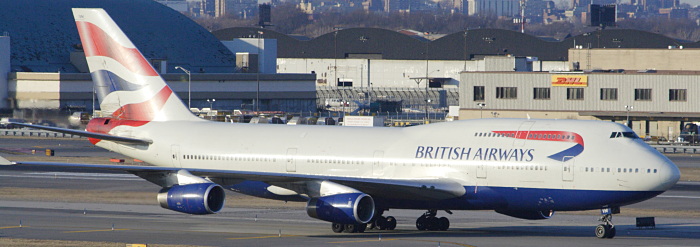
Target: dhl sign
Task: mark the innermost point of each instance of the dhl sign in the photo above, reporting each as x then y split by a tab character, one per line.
569	81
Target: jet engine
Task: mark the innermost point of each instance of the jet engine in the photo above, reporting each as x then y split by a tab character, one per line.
528	215
201	198
349	208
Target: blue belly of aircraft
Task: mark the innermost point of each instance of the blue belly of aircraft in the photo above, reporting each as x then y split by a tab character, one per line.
524	199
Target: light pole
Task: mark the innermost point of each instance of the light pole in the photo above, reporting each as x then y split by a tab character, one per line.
189	85
628	108
427	83
257	75
481	109
211	103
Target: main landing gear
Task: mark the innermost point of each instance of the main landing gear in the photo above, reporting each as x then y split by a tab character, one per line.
383	223
607	229
428	222
379	222
348	228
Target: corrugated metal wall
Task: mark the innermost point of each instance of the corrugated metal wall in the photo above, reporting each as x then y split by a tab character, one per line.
625	83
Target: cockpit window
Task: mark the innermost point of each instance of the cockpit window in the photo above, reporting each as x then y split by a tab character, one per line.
630	134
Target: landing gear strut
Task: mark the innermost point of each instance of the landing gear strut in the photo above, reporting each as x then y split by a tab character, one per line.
607	229
382	223
428	222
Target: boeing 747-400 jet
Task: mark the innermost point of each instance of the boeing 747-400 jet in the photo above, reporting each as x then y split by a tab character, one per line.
524	168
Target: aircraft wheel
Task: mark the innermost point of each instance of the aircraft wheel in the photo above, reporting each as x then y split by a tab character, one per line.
350	228
443	224
337	227
390	223
602	231
422	223
612	232
381	223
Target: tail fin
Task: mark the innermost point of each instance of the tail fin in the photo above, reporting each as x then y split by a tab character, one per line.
127	85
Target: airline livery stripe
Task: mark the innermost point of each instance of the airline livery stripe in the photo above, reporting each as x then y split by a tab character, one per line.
144	111
557	136
552	136
98	43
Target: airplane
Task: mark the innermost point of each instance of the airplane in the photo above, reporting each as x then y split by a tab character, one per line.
351	176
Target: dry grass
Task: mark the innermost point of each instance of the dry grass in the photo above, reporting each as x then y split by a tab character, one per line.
18	242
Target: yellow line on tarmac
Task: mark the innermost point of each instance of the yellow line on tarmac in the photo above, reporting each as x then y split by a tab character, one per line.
271	236
362	241
442	242
104	230
10	227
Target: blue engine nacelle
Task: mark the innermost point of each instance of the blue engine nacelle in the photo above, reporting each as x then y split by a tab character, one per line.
204	198
350	208
529	215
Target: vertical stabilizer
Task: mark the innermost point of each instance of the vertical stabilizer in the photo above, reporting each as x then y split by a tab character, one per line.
126	84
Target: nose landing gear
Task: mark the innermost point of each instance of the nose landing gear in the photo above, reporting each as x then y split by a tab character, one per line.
607	229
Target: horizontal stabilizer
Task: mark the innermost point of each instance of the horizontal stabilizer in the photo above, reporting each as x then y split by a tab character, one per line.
119	139
4	162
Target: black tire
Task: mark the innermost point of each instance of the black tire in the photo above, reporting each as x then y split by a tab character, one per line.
390	223
381	223
422	223
432	223
350	228
443	224
337	227
612	232
602	231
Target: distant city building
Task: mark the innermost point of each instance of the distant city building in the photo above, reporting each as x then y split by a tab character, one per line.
403	5
535	10
494	7
244	9
674	13
220	8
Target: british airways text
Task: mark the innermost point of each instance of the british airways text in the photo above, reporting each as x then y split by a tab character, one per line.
463	153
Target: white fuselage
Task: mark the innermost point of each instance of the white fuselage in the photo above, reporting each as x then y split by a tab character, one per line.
469	151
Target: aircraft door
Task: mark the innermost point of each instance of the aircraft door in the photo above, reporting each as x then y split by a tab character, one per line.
377	165
175	155
523	131
568	168
481	170
291	160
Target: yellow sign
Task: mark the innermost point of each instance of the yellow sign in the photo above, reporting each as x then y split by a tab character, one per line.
569	81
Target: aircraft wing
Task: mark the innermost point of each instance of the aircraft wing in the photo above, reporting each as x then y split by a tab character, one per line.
119	139
413	189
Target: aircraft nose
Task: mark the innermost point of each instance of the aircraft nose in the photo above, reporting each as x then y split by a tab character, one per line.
669	175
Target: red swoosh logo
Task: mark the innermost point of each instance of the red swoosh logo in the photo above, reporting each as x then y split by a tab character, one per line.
96	42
